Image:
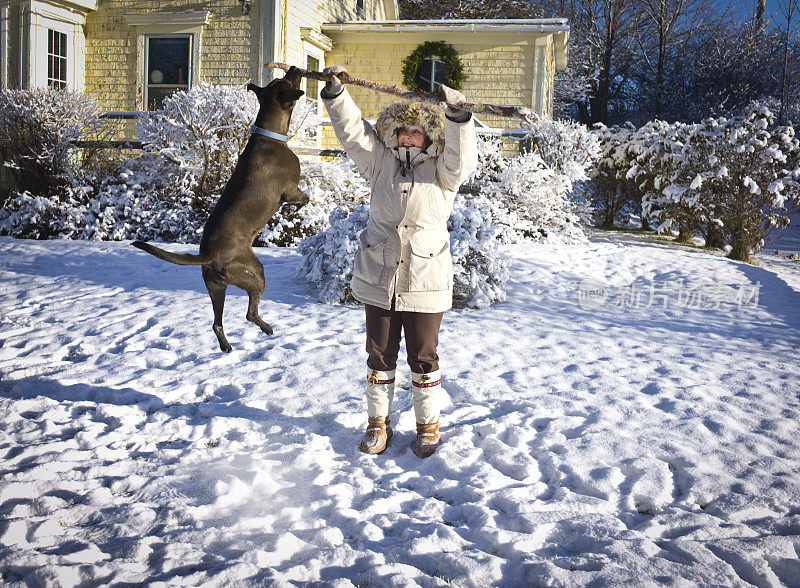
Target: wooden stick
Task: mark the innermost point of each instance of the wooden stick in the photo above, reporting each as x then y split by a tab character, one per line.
521	112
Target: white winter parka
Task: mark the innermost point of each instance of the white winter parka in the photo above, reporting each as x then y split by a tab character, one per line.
405	250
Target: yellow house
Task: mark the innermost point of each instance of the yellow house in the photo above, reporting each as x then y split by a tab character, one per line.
507	62
129	54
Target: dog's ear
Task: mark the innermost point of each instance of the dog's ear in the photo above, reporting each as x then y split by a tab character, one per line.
287	96
253	88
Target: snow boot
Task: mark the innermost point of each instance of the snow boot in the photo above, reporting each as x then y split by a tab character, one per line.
380	393
377	435
426	388
428	439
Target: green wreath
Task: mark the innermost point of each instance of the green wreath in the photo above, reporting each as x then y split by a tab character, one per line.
447	53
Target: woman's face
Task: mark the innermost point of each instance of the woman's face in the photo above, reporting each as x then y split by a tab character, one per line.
411	137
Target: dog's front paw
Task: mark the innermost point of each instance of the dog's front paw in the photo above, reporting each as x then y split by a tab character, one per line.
291	209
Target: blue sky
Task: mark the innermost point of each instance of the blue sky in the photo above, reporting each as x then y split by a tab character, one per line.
772	7
748	6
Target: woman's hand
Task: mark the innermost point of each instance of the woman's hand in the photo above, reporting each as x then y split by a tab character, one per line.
452	97
334	86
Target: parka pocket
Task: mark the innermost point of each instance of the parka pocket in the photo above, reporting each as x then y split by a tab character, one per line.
430	267
368	265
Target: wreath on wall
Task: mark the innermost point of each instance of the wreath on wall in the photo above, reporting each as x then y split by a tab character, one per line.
448	55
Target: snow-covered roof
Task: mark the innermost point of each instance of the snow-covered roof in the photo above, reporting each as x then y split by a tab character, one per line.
558	27
534	25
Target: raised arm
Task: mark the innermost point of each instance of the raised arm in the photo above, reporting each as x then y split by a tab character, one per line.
460	156
355	134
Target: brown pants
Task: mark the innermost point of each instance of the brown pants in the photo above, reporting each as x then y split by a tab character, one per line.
383	339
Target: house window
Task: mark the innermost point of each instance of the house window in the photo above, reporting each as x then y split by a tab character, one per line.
56	59
168	67
312	86
431	74
360	9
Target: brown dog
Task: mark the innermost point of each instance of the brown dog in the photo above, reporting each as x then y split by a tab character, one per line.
266	175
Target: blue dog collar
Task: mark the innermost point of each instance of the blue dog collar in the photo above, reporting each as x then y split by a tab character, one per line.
254	130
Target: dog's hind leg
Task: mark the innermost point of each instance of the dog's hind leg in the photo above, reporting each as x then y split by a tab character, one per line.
217	290
249	276
252	311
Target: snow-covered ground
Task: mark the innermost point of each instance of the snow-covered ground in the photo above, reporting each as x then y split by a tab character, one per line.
597	445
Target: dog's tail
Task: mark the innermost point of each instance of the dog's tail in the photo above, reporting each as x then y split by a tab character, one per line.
178	258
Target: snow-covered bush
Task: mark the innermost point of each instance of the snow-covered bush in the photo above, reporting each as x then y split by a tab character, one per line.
329	185
138	202
774	105
613	193
741	174
530	198
565	147
328	256
734	179
655	152
37	131
166	193
126	205
481	271
537	197
27	215
305	124
480	268
198	134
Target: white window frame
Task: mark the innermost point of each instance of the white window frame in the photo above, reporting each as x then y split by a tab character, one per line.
315	53
57	57
315	45
44	18
34	18
190	72
156	24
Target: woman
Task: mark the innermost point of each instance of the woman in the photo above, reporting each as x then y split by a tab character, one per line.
415	160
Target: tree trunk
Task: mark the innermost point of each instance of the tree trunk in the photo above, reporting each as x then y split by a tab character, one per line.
599	101
583	112
608	223
660	63
684	235
715	237
740	251
762	4
600	98
609	213
783	117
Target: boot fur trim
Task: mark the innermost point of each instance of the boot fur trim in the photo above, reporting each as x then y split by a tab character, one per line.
376	436
428	439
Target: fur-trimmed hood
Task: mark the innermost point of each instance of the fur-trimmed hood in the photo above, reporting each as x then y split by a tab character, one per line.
406	114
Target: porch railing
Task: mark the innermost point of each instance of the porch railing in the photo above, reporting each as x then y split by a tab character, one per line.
481	129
